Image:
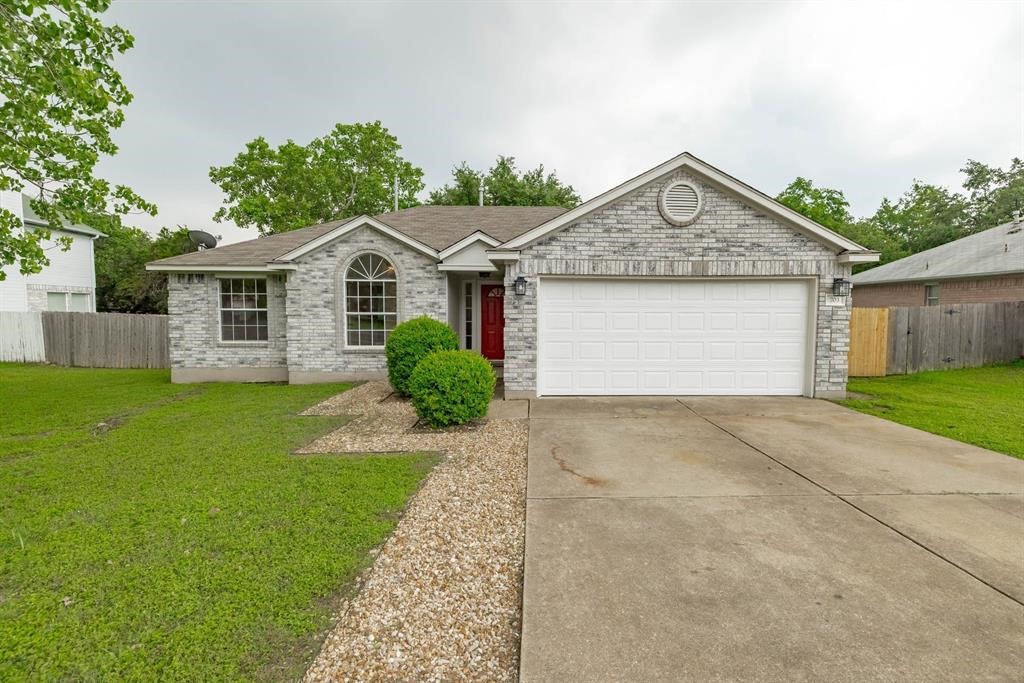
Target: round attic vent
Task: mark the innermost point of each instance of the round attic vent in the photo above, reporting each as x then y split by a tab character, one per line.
680	203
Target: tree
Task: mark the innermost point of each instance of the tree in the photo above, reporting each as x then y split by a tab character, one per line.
994	194
829	207
822	205
505	185
349	171
60	98
122	282
924	217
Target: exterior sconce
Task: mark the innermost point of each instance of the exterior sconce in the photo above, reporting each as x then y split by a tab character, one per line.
841	287
520	285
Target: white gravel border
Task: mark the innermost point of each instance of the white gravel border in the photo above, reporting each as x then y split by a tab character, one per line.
442	601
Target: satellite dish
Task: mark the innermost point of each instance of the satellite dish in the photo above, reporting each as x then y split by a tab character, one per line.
201	239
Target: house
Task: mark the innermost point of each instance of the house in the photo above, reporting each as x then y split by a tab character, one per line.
682	280
67	284
986	267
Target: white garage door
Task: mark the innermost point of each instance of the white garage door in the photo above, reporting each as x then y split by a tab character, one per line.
665	337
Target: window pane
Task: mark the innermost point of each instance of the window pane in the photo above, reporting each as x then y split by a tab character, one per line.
390	288
389	322
261	333
378	338
390	305
261	286
261	301
353	338
351	289
56	301
225	301
80	302
366	338
227	333
261	318
364	289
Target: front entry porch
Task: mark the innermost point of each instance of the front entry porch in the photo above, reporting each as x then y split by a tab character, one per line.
476	311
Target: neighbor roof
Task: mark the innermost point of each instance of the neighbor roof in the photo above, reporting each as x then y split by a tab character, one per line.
996	251
30	217
434	226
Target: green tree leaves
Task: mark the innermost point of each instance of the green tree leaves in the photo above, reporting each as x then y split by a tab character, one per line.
60	98
505	185
349	171
122	282
925	216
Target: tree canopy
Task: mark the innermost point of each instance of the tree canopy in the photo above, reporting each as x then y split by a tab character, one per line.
349	171
60	98
505	185
122	282
923	217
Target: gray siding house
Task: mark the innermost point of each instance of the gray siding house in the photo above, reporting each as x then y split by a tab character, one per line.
680	281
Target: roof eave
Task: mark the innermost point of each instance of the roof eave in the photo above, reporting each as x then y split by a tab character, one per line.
687	160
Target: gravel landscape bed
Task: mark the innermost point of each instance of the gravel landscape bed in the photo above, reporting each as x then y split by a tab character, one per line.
442	600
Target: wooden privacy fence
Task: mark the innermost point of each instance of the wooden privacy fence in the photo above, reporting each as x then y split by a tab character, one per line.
901	340
91	340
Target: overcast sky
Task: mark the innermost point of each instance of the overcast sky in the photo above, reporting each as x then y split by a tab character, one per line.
862	97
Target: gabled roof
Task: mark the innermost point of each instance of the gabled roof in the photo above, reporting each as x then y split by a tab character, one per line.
996	251
691	163
433	227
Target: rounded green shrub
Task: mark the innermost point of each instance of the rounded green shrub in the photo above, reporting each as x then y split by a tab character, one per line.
451	387
410	342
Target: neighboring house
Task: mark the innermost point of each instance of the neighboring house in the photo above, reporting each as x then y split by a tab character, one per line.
67	284
982	268
682	280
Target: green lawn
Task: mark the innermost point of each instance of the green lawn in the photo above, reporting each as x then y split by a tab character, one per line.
982	406
183	542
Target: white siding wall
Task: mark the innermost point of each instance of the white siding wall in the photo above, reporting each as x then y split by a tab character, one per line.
69	271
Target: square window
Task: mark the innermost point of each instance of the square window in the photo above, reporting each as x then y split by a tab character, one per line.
56	301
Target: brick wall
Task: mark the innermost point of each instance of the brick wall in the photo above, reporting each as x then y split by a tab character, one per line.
315	302
194	328
969	291
630	238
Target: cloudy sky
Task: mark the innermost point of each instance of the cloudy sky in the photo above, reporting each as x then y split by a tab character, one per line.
859	96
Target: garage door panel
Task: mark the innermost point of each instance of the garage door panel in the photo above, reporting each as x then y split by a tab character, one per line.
672	337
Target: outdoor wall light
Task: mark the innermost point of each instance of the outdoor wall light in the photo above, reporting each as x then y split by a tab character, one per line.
520	285
841	287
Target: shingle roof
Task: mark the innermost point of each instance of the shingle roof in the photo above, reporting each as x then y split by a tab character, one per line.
436	226
994	251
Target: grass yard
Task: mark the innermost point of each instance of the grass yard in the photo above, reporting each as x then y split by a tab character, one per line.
180	541
981	406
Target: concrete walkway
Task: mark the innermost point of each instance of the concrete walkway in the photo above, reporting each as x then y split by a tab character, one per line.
765	539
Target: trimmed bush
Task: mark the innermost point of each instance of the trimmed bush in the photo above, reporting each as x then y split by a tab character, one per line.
410	342
452	387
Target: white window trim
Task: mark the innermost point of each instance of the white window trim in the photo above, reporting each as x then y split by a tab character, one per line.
221	309
938	294
343	295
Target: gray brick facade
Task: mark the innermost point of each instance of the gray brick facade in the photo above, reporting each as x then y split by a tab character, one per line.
194	307
305	316
631	238
315	301
628	238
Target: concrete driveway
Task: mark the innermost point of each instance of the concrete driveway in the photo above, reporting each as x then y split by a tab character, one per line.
765	539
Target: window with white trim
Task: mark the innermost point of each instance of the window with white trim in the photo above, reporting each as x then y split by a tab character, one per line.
243	309
931	295
468	302
371	301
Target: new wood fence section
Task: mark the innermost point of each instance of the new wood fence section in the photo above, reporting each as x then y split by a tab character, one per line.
919	338
869	334
92	340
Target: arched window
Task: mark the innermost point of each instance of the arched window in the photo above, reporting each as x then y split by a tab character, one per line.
371	301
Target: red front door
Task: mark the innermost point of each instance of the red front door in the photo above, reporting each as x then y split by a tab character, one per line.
492	321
